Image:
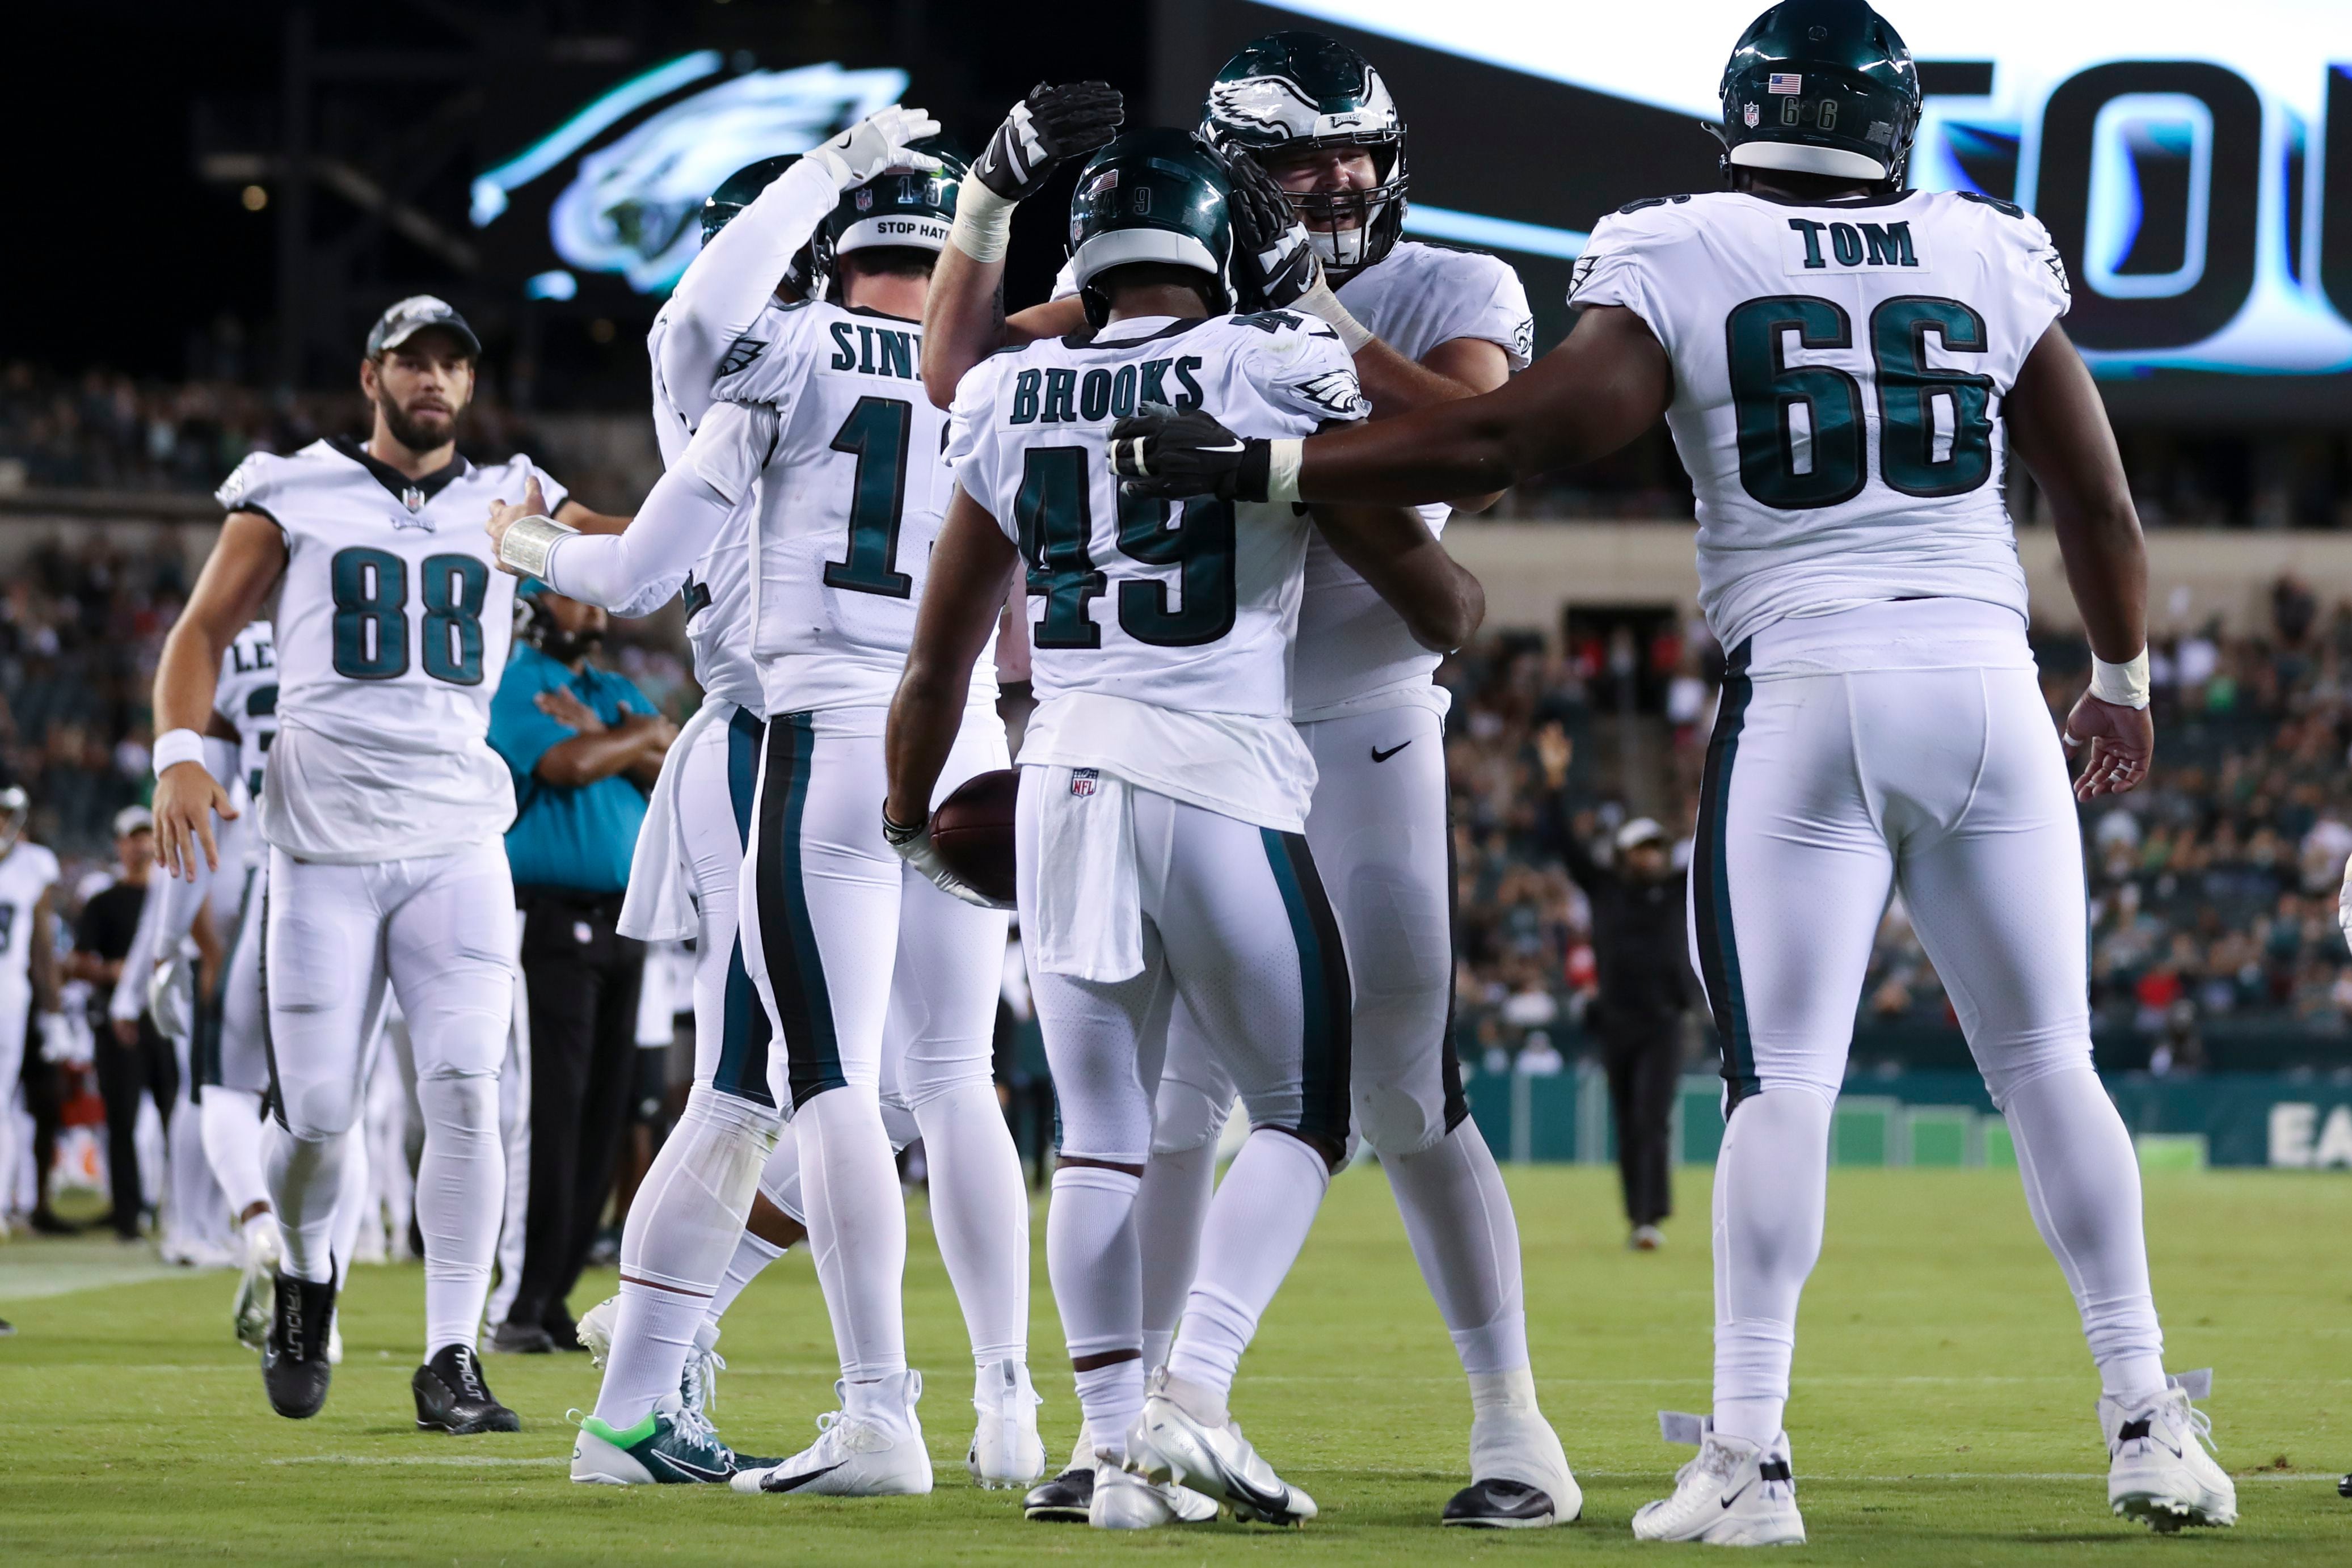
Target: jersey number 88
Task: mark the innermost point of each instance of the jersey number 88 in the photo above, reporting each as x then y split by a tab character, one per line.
371	591
1935	426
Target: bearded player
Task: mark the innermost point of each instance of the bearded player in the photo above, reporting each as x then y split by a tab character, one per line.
1843	364
1318	149
819	417
384	806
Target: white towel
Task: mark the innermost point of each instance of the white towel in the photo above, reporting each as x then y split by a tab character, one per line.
659	906
1090	918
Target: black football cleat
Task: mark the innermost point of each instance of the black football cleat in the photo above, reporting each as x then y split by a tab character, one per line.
1066	1498
1500	1505
294	1366
452	1397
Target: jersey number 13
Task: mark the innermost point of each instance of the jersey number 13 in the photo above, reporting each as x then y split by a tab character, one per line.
1803	442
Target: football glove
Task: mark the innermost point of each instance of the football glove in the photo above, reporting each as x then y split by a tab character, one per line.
1274	261
914	847
1161	452
875	143
1050	126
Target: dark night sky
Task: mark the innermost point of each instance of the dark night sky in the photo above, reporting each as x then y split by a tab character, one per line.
148	257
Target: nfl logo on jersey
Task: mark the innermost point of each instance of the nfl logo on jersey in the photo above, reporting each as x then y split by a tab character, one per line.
865	199
1083	780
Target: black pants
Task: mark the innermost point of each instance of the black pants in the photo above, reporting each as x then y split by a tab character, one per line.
124	1073
581	979
1642	1052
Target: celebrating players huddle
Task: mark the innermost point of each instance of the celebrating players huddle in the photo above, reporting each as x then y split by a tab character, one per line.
1209	478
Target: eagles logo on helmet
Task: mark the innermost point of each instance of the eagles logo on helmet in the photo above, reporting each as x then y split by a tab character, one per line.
1293	90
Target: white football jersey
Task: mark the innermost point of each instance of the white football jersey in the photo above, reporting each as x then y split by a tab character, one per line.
27	871
392	628
1161	633
1355	654
844	456
718	589
1838	374
246	697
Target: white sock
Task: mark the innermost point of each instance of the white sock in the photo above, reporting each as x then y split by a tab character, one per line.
979	1211
751	1255
461	1186
231	1129
305	1177
1257	1223
684	1225
1772	1181
857	1227
1458	1215
2082	1184
1170	1211
1112	1397
1091	1257
350	1202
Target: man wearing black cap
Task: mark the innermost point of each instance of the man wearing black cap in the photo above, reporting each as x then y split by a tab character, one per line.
384	809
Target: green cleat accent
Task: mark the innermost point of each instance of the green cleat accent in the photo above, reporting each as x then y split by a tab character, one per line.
671	1446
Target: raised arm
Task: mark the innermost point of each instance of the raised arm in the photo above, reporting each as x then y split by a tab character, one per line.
2058	429
963	320
1606	384
1390	548
248	559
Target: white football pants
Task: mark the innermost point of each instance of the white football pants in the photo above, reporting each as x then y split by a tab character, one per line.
1826	789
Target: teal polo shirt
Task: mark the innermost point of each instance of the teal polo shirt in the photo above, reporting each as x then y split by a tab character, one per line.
581	838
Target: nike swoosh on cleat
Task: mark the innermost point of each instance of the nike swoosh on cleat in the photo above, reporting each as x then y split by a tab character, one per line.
695	1471
1735	1496
1380	756
771	1483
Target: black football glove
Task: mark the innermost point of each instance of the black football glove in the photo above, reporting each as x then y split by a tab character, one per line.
1049	126
1166	455
1274	261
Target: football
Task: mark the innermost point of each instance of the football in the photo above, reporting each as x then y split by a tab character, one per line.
972	829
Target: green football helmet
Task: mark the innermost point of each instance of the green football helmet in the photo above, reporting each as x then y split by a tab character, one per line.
906	208
735	192
1821	87
1157	195
1295	89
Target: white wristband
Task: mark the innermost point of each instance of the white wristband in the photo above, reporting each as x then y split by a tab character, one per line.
984	222
2125	685
530	542
1282	460
174	747
1324	306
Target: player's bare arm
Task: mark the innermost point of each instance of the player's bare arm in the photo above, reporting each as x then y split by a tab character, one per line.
964	320
2060	430
42	959
244	566
972	572
1599	390
1390	548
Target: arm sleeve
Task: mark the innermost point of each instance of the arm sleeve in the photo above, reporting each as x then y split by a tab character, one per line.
731	281
520	733
679	520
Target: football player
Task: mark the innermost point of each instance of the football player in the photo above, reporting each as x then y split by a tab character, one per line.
28	966
819	413
1842	364
1319	149
1163	791
383	807
216	1003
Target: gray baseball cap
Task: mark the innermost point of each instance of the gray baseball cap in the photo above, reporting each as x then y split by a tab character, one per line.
414	315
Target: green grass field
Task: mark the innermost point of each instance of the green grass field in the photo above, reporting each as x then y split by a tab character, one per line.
1942	1413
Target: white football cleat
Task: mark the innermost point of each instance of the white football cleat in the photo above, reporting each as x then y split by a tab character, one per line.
1125	1500
2159	1472
1519	1478
1005	1449
867	1454
1169	1446
1733	1494
251	1312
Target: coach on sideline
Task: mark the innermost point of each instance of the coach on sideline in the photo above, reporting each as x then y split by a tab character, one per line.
585	745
